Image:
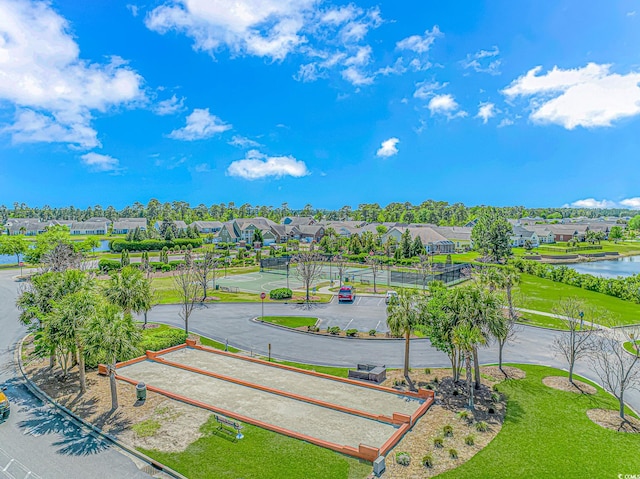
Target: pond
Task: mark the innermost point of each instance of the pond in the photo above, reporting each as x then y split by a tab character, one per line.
11	259
612	268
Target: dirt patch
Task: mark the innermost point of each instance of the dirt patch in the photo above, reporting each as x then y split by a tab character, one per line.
507	372
179	423
610	419
449	410
563	384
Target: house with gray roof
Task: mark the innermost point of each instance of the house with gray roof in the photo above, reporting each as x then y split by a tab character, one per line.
520	236
433	241
124	225
207	227
88	228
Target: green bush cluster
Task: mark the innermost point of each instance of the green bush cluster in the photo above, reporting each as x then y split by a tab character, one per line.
469	440
482	426
448	430
119	245
427	460
453	454
627	288
108	265
280	293
372	332
438	441
334	330
351	332
156	339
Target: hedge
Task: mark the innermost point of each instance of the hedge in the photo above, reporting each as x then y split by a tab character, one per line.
280	293
153	245
107	265
162	338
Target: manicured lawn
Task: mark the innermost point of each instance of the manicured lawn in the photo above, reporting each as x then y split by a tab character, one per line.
290	321
624	248
544	321
216	345
547	434
543	295
262	454
340	372
629	347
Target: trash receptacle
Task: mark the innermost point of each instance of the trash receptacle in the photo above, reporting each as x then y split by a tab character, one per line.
141	392
217	287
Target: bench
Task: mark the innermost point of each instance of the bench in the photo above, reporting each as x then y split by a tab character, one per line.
369	372
225	423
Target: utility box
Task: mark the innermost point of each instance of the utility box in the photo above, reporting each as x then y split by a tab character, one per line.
379	466
141	392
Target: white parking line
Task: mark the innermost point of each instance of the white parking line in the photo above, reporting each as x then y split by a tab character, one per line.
377	325
347	326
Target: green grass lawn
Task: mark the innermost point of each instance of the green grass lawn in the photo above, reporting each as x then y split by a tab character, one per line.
216	345
544	321
623	248
290	321
547	434
543	295
339	372
262	454
629	347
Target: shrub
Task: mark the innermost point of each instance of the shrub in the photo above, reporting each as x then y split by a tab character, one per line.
399	382
495	387
403	458
482	426
334	330
107	265
427	371
435	380
156	339
372	332
280	293
351	332
427	461
465	415
453	454
438	441
313	329
166	267
495	397
469	440
447	430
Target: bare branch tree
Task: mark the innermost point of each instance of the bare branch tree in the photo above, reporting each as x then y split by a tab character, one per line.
61	258
425	268
341	266
374	265
577	342
186	283
204	269
617	369
308	268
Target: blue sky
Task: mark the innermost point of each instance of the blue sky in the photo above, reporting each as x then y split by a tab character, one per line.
328	103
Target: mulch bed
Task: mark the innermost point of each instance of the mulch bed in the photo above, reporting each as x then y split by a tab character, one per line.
610	419
562	383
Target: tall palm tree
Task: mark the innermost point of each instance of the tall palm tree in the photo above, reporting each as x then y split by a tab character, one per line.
130	290
402	317
110	336
467	337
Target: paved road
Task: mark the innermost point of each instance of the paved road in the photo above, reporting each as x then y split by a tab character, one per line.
36	439
234	322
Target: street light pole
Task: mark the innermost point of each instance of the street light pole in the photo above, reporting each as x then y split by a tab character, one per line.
581	314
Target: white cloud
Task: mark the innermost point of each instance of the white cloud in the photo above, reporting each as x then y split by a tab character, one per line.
243	142
505	122
631	13
202	168
486	111
97	162
426	89
133	9
483	61
356	77
420	43
274	29
592	203
388	148
169	106
445	105
590	96
200	125
257	165
631	203
54	91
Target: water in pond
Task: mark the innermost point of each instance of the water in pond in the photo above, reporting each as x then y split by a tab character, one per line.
626	266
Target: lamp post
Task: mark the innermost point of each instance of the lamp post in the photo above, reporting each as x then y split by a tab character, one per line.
262	296
581	314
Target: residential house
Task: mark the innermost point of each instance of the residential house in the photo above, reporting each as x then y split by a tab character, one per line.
88	228
25	226
566	232
311	233
460	235
207	227
545	235
520	236
433	241
179	224
298	220
124	225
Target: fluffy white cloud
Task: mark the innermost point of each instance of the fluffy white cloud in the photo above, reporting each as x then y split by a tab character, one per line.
243	142
274	29
486	111
426	89
54	91
590	96
97	162
257	165
169	106
627	203
483	61
420	43
388	148
200	125
445	105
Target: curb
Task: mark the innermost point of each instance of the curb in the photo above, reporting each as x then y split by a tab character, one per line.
85	424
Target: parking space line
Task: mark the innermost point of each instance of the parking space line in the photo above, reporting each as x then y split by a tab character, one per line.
347	326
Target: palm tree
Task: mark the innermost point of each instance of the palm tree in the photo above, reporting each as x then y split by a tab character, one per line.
130	290
109	336
402	317
467	337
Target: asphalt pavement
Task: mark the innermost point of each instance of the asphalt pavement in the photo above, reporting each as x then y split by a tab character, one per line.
37	441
